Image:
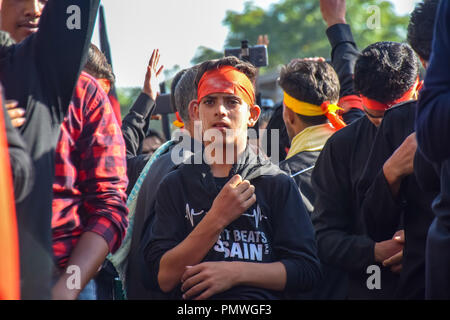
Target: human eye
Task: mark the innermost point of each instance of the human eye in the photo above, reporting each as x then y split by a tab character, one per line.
208	101
234	101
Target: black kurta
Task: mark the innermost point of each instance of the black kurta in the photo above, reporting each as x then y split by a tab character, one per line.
342	238
383	214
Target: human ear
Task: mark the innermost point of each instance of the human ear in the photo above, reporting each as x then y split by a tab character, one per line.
193	110
255	112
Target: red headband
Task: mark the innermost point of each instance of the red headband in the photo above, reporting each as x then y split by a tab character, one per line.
226	79
408	95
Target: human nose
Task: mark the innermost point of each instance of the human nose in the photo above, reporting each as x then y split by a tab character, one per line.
34	8
221	109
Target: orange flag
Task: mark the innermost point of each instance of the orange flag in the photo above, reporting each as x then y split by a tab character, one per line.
9	245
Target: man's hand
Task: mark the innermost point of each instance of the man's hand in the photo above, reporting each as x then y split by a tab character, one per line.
16	114
387	249
395	262
314	59
151	83
401	163
233	200
207	279
333	11
263	40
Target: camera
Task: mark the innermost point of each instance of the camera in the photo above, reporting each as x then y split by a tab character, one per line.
256	55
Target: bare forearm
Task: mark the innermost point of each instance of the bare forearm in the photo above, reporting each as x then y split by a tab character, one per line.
270	276
190	251
88	256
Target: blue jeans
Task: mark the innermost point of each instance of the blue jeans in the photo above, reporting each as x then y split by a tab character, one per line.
89	292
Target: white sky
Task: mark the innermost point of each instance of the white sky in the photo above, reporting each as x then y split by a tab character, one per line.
176	27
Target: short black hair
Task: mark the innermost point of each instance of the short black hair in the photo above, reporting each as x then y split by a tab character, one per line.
421	27
245	67
384	71
98	66
312	82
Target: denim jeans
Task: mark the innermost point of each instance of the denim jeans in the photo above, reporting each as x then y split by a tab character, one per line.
89	292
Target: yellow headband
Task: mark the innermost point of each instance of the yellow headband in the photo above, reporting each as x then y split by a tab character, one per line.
305	108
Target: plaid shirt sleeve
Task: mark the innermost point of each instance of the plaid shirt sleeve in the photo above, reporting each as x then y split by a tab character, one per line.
102	173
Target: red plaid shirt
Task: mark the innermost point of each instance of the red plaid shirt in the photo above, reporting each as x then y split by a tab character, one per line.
90	173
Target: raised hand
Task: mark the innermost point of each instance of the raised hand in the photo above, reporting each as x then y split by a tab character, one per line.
263	40
152	77
333	11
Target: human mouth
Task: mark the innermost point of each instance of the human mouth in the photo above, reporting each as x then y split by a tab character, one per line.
221	126
30	27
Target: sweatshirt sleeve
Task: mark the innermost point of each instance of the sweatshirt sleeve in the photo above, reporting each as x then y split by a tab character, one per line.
166	231
382	213
134	128
294	239
61	44
433	114
334	216
343	56
135	123
21	165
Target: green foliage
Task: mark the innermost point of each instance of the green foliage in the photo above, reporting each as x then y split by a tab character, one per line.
126	97
296	28
205	53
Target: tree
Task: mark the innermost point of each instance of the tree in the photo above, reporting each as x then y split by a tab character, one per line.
296	28
205	53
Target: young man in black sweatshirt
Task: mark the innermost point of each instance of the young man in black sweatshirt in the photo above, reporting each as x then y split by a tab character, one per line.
232	226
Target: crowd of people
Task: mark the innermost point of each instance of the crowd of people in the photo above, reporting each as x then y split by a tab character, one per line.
351	203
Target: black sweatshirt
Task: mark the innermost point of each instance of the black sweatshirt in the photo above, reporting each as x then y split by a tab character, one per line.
341	236
412	208
41	73
276	228
21	166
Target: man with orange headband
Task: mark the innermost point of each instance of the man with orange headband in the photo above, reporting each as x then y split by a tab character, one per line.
390	190
232	225
342	239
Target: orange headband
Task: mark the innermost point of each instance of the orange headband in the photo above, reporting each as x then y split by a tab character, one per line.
408	95
226	79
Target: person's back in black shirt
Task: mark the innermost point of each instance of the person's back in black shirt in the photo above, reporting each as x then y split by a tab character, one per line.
41	73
